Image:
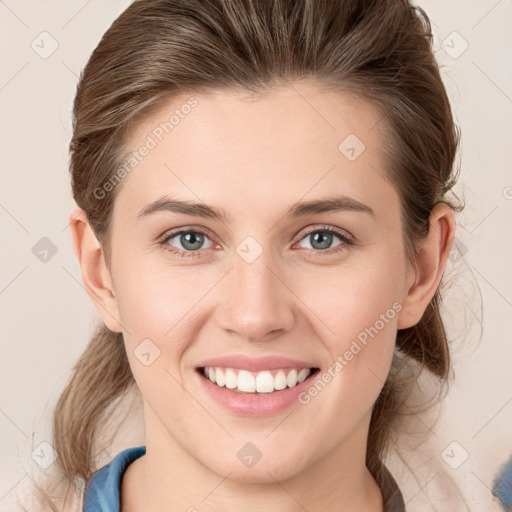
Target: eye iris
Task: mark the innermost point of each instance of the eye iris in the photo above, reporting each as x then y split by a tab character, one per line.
322	236
191	238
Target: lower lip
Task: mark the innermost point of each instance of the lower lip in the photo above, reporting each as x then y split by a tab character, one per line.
255	404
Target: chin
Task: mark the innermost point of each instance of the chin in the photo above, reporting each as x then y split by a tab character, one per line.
264	471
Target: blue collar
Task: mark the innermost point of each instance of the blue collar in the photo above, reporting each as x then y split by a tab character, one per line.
102	490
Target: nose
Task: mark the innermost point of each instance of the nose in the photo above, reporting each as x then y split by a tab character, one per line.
259	303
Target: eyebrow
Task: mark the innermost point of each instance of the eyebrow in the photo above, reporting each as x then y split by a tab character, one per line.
328	204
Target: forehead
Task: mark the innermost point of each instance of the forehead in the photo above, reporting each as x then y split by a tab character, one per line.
295	141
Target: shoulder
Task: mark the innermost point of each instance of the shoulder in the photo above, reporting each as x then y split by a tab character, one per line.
104	487
35	493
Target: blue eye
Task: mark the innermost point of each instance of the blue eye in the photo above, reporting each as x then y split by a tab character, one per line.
323	237
192	240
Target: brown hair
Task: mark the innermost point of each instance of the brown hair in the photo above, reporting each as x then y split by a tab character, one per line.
380	50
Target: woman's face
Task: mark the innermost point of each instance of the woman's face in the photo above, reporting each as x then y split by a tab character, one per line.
269	277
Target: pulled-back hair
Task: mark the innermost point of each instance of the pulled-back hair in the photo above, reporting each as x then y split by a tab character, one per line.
380	50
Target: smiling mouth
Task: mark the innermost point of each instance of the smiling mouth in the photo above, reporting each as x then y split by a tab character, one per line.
256	383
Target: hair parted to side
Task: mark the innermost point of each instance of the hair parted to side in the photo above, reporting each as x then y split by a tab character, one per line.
380	50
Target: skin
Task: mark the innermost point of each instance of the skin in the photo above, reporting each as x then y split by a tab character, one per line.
254	159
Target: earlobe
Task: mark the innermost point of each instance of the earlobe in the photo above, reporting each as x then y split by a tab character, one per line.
431	259
95	274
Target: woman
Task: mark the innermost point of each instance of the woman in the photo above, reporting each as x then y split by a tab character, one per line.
263	223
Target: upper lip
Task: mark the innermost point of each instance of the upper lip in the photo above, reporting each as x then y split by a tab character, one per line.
243	362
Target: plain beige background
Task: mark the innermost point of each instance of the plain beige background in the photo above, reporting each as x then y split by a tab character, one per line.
47	317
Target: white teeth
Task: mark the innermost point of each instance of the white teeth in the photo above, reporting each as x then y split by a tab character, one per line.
246	382
251	382
231	379
280	380
219	377
303	374
264	382
291	380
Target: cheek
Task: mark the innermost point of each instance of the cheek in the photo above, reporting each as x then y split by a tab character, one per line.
356	317
351	299
156	309
153	298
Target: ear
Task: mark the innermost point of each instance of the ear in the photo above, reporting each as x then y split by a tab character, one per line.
95	274
432	255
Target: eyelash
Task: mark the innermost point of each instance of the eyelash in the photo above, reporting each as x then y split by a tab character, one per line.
346	241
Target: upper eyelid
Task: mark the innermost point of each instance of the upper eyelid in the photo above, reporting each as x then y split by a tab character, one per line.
176	231
337	231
